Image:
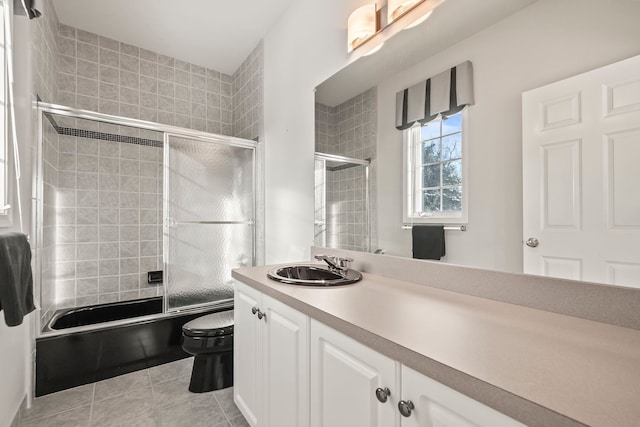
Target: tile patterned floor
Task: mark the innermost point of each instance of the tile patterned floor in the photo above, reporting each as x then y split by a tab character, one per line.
155	397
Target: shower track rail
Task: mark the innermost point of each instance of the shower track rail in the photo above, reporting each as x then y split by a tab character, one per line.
351	163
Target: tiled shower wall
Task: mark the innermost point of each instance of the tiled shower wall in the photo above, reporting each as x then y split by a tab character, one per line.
248	96
108	213
81	69
349	129
44	42
346	215
100	74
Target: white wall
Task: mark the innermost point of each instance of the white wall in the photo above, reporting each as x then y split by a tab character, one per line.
303	48
545	42
16	342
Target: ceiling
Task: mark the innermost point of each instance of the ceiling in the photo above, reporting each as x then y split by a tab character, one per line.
450	23
211	33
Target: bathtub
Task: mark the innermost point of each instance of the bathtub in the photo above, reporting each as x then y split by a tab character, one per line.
88	344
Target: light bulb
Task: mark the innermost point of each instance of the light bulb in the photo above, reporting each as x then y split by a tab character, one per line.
395	8
361	25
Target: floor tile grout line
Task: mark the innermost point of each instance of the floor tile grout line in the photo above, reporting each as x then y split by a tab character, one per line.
23	416
156	411
221	408
93	399
25	423
120	392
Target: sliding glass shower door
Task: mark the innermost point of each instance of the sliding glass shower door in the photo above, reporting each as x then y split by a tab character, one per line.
209	208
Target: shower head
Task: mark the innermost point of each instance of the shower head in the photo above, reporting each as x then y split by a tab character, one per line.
30	8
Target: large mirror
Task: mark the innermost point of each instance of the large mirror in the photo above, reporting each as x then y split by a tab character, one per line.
515	46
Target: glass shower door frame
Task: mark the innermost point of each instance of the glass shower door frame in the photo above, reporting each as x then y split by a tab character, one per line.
366	163
322	222
37	191
170	222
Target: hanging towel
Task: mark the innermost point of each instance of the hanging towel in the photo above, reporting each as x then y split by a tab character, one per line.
16	280
428	241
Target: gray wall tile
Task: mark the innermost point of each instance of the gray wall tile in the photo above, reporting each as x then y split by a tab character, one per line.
108	182
87	52
87	37
129	49
109	43
109	58
113	189
130	63
129	96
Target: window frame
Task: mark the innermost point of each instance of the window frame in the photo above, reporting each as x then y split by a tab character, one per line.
5	140
411	137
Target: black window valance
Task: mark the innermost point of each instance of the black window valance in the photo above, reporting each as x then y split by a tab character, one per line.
443	94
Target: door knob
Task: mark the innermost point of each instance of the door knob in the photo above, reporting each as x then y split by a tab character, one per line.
382	394
532	242
405	408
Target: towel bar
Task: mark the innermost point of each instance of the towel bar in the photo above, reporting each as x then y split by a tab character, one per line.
447	228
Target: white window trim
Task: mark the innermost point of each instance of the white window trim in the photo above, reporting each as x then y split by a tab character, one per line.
6	180
409	178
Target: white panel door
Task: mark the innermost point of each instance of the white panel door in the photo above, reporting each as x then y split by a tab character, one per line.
344	377
436	405
581	145
285	353
247	354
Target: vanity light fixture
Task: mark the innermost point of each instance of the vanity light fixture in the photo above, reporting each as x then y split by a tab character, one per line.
380	21
362	24
397	8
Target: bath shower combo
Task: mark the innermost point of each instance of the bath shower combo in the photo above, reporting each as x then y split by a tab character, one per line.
114	199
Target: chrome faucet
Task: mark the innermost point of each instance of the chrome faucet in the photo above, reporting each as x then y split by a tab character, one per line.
337	264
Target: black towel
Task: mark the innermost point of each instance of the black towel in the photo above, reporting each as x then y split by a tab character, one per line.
428	241
16	281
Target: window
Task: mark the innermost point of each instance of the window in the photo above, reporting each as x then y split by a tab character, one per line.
4	140
435	171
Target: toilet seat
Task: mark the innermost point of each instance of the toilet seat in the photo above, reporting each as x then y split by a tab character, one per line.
211	325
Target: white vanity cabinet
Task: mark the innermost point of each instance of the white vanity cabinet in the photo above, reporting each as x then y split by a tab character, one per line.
271	372
347	378
430	403
293	371
344	378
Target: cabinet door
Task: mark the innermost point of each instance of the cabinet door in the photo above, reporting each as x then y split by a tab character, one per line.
247	354
285	365
344	377
436	405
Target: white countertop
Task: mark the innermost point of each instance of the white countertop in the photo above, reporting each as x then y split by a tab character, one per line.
586	371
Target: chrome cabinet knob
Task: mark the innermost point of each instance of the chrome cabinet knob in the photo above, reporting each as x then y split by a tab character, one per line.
405	408
532	242
262	315
382	394
254	310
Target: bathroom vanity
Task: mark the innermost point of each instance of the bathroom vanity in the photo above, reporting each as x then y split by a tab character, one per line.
388	352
